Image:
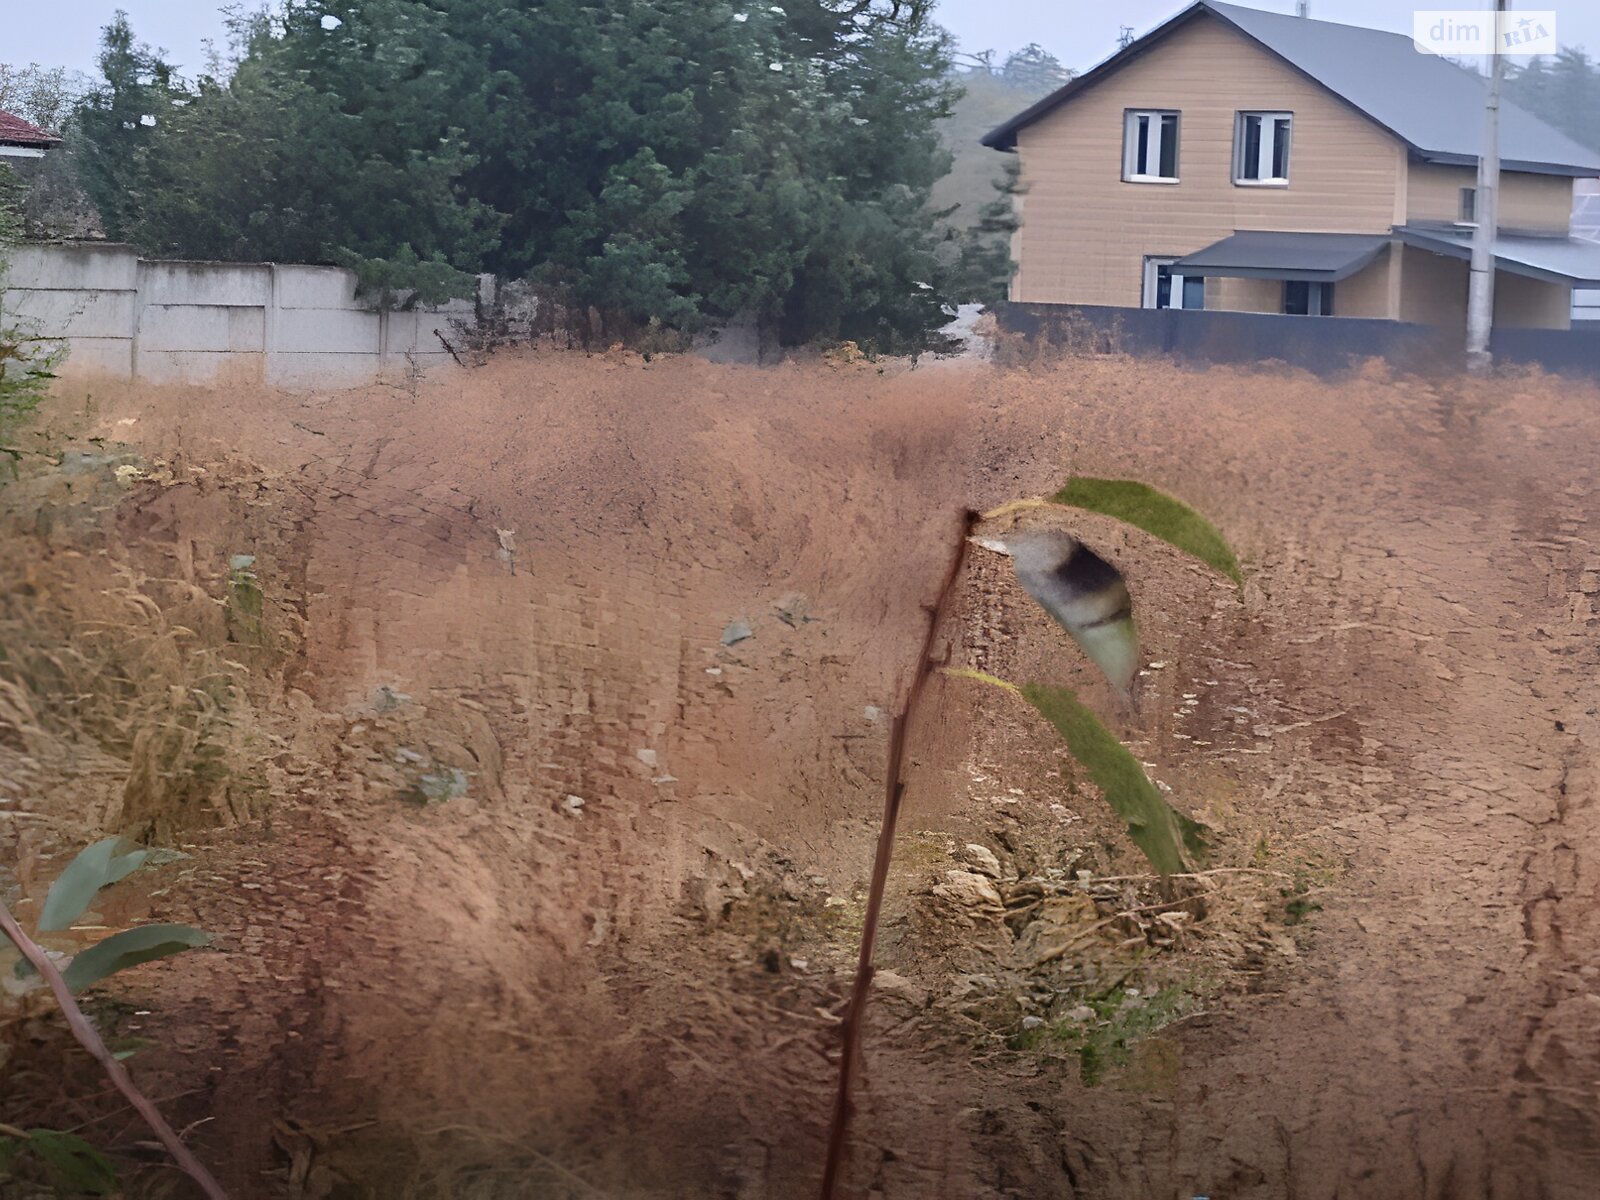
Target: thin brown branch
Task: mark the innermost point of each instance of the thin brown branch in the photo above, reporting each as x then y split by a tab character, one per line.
91	1041
894	792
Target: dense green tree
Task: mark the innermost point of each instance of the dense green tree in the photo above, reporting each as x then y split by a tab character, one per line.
682	160
354	163
118	118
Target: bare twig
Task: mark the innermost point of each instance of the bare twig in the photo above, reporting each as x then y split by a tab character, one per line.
90	1039
894	792
450	348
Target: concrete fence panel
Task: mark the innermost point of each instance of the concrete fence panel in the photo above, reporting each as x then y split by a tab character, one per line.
221	284
73	267
77	313
291	325
316	287
207	328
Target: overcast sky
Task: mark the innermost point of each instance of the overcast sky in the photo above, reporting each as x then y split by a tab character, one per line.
1079	32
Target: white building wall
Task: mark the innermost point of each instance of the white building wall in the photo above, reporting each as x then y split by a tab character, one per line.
197	322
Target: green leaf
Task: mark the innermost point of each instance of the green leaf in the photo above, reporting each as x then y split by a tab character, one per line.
80	1165
130	948
1157	513
1166	836
96	866
126	949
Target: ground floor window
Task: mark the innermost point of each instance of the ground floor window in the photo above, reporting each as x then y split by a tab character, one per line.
1301	298
1167	287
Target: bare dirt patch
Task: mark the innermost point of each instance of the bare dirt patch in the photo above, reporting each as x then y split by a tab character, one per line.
613	966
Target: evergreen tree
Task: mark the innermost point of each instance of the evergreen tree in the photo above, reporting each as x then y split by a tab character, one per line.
1563	92
117	119
341	152
682	160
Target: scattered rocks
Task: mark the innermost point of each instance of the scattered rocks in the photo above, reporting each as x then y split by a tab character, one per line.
792	609
737	630
969	890
891	985
982	859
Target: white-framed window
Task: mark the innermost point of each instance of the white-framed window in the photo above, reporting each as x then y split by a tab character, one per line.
1261	148
1150	146
1167	287
1302	298
1467	213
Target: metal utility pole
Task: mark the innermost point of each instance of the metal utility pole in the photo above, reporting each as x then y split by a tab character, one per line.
1486	211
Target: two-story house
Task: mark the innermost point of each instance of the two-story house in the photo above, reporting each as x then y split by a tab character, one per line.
1255	162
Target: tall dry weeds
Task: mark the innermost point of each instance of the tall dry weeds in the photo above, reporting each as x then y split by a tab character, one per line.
102	662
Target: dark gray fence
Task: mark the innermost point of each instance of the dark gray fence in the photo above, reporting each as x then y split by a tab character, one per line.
1574	351
1322	345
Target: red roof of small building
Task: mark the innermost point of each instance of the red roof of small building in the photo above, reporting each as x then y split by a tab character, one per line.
14	131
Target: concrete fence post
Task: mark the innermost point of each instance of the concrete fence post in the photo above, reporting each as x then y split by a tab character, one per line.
269	327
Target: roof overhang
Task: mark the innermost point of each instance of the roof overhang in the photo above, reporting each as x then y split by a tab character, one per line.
1506	164
1267	254
1554	259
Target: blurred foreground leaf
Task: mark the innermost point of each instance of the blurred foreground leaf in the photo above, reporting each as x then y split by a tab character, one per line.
95	867
1166	836
79	1164
1158	514
122	950
130	948
1168	839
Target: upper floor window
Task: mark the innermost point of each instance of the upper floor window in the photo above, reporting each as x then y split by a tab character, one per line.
1467	214
1150	146
1261	147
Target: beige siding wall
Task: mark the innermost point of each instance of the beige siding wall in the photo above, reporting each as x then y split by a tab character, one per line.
1371	291
1244	295
1085	232
1434	292
1541	202
1433	288
1523	303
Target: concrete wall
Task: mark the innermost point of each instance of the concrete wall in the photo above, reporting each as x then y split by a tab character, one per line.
197	322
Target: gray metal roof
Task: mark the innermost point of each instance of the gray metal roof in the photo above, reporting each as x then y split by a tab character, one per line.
1263	254
1555	259
1428	102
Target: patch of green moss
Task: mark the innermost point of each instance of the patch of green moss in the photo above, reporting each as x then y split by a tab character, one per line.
1122	1018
